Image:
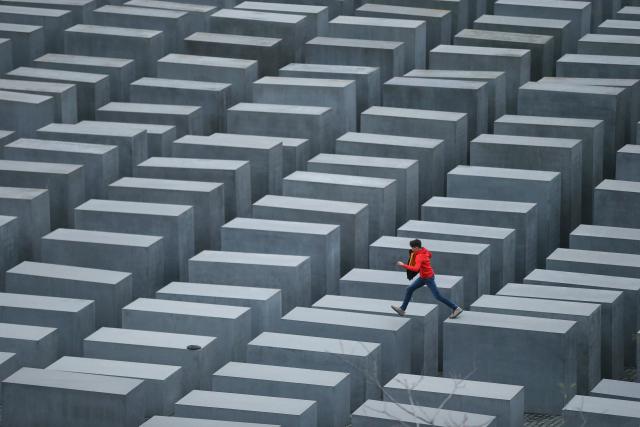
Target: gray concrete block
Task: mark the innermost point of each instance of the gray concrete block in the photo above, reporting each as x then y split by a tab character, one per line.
206	198
378	193
515	335
613	389
80	9
35	346
264	155
353	219
6	136
460	9
31	207
160	421
614	201
27	42
240	73
505	402
9	248
620	27
502	242
595	262
174	223
24	113
290	274
330	390
159	137
606	239
296	152
161	383
299	351
469	260
53	21
109	290
162	348
140	255
318	15
265	303
64	96
188	119
73	318
248	407
6	55
423	320
600	411
8	365
145	47
57	398
234	174
627	162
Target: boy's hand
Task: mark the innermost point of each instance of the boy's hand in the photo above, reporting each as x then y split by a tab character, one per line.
399	263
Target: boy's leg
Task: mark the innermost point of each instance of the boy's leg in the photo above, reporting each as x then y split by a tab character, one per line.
417	283
437	295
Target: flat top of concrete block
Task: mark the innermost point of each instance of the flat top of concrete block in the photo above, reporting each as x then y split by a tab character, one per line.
506	173
24	332
281	7
4	356
455	74
23	98
33	86
150	128
630	149
166	184
21	193
161	421
234	39
377	22
225	257
481	51
503	35
456	229
532	141
102	384
114	31
455	386
230	140
275	226
135	107
240	402
69	272
304	81
630	10
394	140
315	344
586	279
402	10
103	237
535	305
61	146
393	412
38	167
393	277
331	178
595	257
19	28
507	321
187	7
432	244
186	308
149	338
612	408
602	231
328	68
57	2
137	208
377	162
371	305
5	133
180	84
253	15
140	11
98	61
549	121
523	21
560	293
619	185
619	23
280	108
293	142
480	204
281	374
630	61
306	204
40	302
355	43
4	219
414	113
553	4
610	38
33	11
86	128
208	61
222	291
435	83
614	388
46	73
252	140
116	368
189	163
345	318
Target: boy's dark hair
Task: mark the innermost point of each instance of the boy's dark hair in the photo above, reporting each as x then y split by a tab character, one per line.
415	243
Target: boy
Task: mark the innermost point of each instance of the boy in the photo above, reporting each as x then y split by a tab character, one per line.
422	265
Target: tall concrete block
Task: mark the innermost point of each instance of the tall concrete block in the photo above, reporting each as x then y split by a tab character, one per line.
318	15
159	137
35	346
605	238
31	207
621	27
595	262
627	161
53	21
188	119
9	231
27	42
16	107
460	9
80	9
614	201
64	95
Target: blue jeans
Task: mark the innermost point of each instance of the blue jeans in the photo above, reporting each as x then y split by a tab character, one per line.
431	283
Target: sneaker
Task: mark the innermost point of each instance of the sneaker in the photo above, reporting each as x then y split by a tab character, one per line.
456	313
398	310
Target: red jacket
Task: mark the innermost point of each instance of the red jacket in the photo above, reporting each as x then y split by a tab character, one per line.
422	264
